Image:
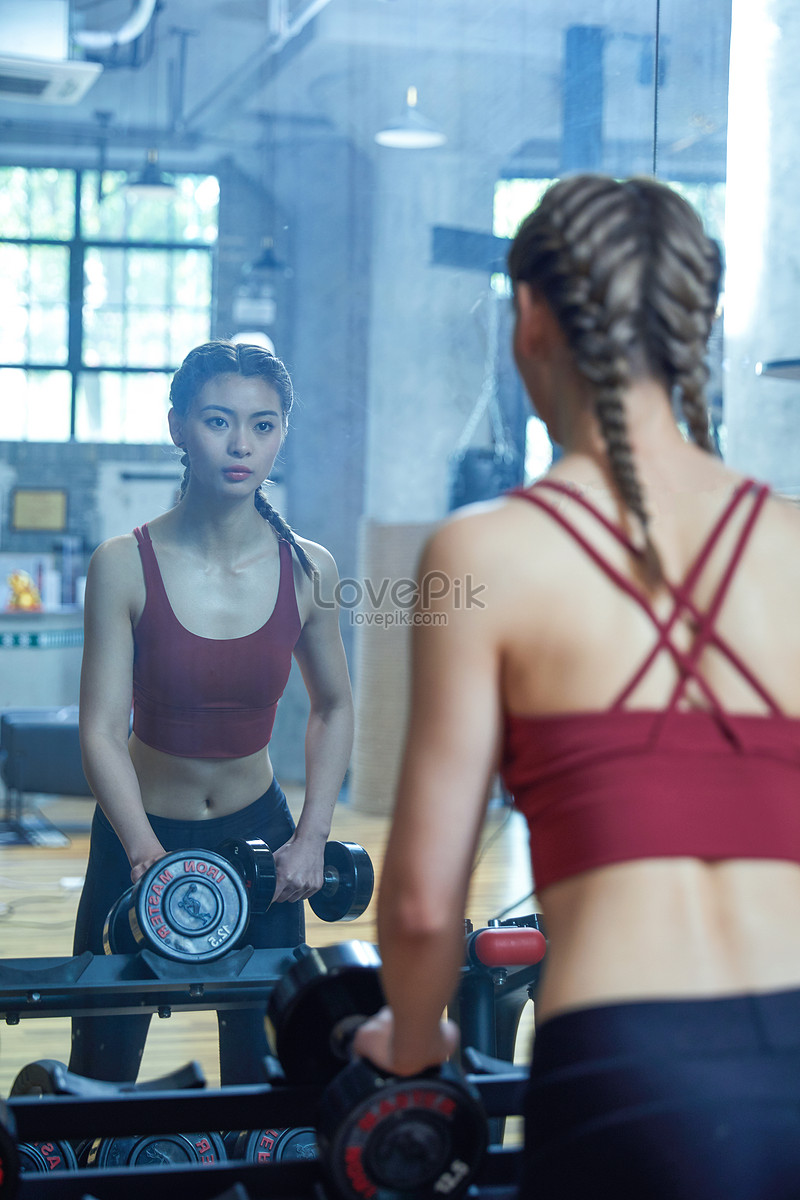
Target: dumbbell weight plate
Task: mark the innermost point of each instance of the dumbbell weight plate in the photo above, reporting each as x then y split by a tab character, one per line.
328	987
9	1158
349	881
190	906
158	1150
255	863
421	1137
117	932
43	1157
277	1145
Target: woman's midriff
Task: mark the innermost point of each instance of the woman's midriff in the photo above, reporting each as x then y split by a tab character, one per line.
194	789
670	928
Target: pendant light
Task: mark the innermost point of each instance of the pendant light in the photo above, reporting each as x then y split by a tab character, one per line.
411	131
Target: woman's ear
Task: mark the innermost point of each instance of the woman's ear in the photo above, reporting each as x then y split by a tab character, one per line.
531	331
176	429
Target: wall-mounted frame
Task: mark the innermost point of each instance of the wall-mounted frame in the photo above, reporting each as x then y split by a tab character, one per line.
43	509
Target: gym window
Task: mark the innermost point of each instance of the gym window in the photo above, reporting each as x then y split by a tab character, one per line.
104	294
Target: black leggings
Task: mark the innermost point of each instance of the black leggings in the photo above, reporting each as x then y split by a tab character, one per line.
667	1100
111	1047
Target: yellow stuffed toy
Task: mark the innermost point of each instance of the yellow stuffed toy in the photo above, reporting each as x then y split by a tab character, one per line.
24	593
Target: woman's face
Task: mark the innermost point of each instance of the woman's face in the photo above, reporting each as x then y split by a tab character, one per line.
232	433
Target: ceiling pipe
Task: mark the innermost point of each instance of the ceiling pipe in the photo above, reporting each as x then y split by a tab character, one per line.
86	133
238	81
134	27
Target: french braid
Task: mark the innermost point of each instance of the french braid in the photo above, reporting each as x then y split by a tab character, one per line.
226	358
283	531
633	282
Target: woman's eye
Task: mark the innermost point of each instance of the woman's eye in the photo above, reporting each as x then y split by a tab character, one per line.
216	422
265	426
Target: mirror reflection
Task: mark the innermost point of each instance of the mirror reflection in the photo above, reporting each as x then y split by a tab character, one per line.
336	182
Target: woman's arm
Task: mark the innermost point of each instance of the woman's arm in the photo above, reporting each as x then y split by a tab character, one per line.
329	738
105	701
449	761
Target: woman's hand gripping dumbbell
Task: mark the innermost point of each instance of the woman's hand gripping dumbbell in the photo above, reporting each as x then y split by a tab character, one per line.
194	905
420	1136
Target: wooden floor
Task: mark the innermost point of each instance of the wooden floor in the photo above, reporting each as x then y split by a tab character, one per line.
40	887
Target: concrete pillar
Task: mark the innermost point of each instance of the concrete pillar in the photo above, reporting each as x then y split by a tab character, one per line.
426	367
762	292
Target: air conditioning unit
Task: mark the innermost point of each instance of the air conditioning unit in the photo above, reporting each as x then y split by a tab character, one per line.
44	80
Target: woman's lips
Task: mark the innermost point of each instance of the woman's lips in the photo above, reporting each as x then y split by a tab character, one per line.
237	473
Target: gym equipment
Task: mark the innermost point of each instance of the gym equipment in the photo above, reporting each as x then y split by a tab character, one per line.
157	1150
255	863
9	1155
320	999
348	877
420	1137
43	1157
501	973
52	1106
101	985
276	1145
349	880
191	907
49	1077
116	1116
39	752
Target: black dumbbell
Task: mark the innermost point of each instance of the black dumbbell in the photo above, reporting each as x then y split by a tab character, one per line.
43	1157
9	1155
348	877
190	906
275	1145
157	1150
420	1137
316	1002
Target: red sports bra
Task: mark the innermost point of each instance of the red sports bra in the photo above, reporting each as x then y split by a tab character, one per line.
620	784
199	697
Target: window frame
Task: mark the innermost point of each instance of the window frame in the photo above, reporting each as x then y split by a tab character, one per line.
77	246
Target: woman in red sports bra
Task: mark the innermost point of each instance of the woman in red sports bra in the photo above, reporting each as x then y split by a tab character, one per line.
199	614
634	673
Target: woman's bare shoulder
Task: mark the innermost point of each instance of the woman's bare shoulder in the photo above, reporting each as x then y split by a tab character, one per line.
116	566
495	533
318	553
117	551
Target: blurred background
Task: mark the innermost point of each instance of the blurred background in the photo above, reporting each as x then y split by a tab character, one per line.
338	180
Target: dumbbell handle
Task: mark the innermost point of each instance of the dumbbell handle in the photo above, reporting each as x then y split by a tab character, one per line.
330	878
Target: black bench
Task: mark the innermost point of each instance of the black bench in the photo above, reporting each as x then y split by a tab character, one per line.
39	753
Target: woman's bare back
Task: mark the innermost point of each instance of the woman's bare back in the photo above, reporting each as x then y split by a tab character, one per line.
573	640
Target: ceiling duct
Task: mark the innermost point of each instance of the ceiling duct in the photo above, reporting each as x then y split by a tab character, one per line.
34	63
97	40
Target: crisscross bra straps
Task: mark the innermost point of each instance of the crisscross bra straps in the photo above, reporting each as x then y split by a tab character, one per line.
706	635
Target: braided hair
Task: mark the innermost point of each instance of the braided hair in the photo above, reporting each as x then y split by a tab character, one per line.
633	281
226	358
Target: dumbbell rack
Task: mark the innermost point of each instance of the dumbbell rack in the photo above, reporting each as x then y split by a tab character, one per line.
59	1117
126	984
488	1006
